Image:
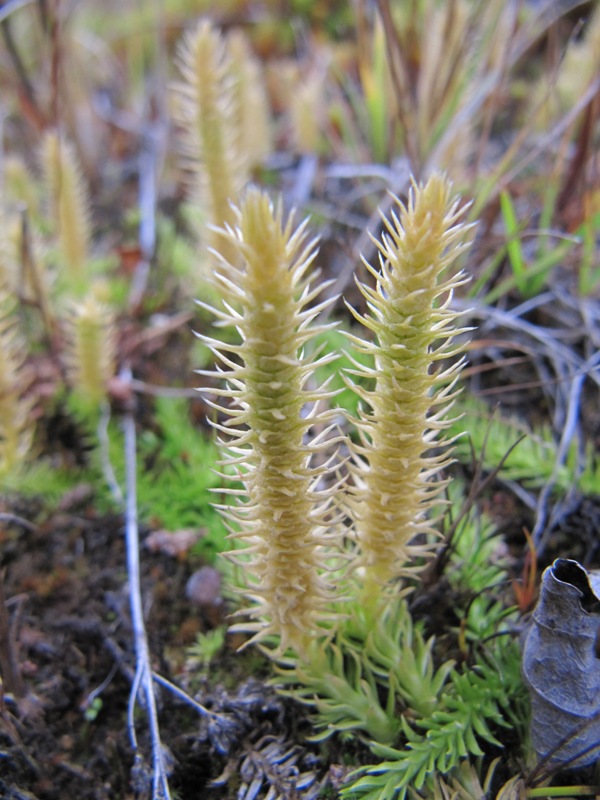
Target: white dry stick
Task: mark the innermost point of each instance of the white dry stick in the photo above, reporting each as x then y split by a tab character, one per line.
104	454
149	159
541	529
185	697
143	672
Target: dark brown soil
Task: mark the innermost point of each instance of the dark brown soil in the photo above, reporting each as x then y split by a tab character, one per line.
70	641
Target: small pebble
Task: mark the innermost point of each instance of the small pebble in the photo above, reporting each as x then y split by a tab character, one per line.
204	587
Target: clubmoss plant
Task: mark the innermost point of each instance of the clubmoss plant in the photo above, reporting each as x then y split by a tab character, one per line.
466	716
285	525
206	647
16	430
369	675
452	712
396	474
357	655
70	208
394	488
20	188
307	111
250	105
205	109
90	352
10	277
24	267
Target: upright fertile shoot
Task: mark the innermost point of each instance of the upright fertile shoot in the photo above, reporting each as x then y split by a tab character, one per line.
402	419
282	516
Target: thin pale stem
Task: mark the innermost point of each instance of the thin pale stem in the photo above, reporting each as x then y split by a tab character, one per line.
143	675
150	155
104	453
185	697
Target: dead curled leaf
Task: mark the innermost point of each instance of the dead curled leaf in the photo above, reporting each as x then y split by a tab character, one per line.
561	666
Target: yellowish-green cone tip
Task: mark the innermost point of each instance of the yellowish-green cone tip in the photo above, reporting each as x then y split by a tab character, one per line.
396	483
282	525
205	110
16	428
70	206
91	350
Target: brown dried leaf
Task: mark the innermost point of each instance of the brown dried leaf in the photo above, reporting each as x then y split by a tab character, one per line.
561	666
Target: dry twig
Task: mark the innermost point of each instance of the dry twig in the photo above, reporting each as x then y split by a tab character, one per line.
143	680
